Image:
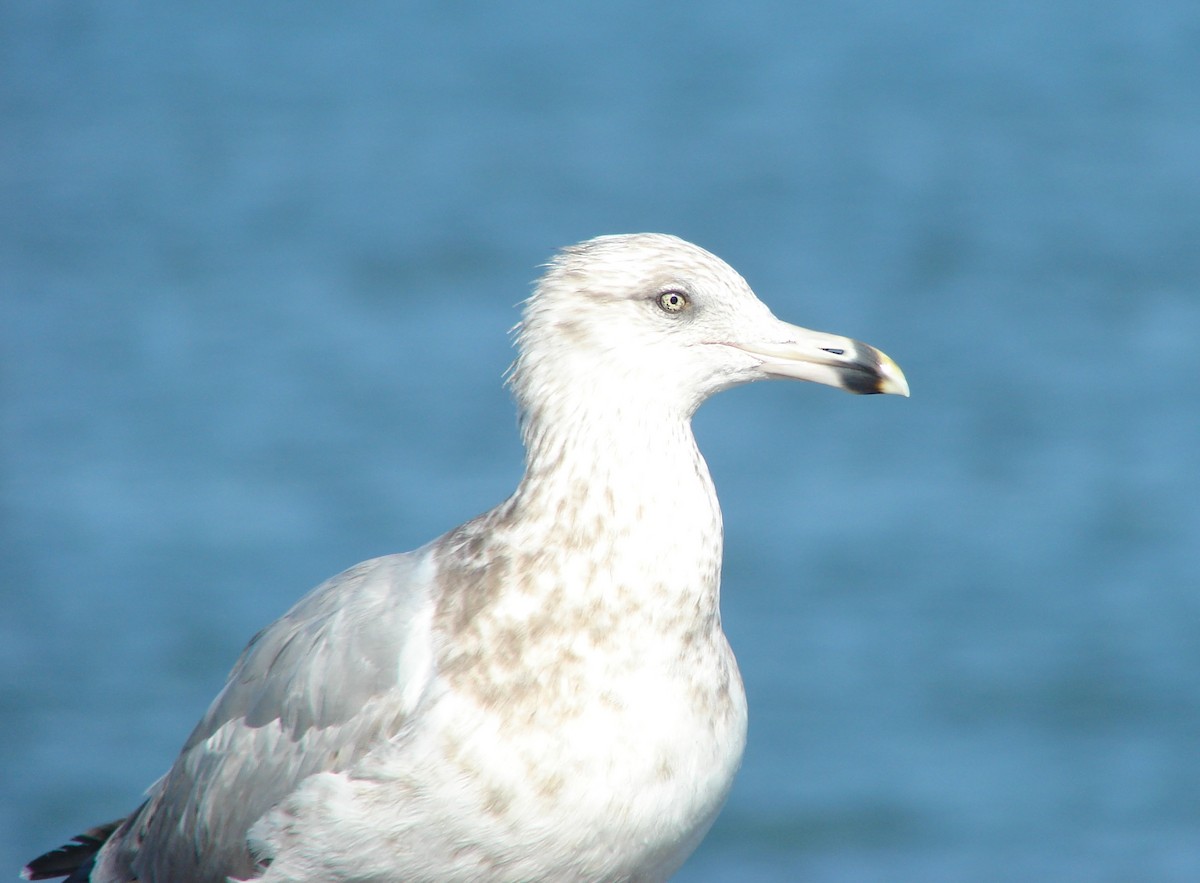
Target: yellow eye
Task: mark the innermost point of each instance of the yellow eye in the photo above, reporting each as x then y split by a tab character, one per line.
673	301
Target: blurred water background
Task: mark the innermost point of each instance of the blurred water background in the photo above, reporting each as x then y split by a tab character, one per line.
258	261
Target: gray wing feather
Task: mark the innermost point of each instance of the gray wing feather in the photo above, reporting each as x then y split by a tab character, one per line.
313	692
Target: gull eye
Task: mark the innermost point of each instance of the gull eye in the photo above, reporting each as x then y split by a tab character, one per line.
673	301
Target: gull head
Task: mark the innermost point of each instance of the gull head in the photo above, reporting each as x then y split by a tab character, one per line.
649	319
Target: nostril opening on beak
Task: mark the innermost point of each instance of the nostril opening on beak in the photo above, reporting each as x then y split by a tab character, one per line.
833	350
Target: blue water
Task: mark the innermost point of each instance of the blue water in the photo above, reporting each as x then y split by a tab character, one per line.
256	267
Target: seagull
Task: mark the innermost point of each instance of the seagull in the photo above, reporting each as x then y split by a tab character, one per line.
543	693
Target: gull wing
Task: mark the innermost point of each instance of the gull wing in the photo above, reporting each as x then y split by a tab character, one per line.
339	673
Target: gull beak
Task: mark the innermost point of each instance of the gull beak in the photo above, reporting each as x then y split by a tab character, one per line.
800	354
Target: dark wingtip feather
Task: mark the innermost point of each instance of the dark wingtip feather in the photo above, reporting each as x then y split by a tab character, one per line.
69	857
